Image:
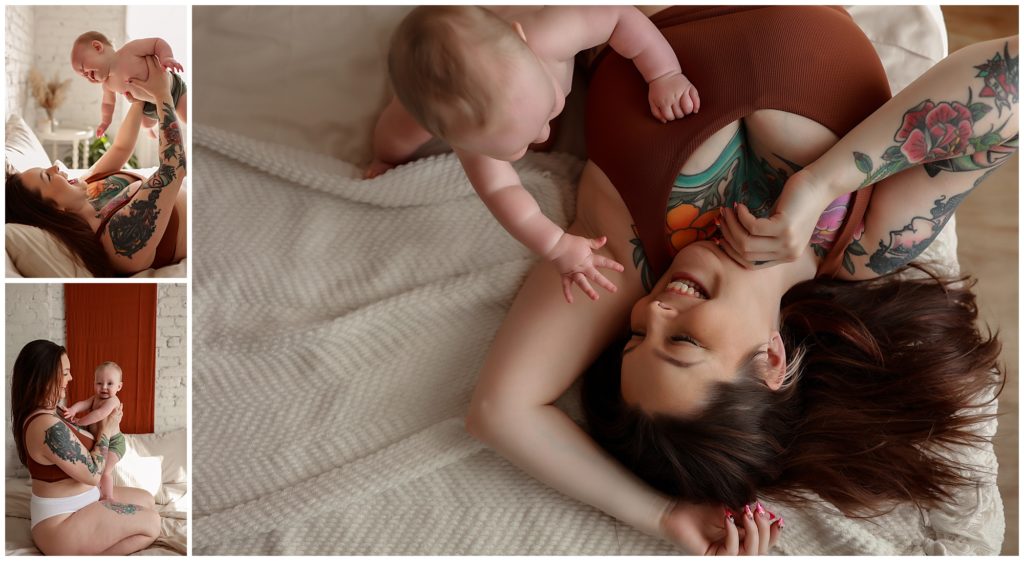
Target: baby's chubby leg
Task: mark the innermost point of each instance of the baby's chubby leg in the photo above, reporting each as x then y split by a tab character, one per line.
107	479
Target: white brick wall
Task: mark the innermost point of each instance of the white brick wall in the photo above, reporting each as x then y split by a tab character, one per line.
171	375
57	27
19	42
36	311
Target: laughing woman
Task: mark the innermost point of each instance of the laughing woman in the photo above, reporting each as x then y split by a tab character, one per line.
66	463
116	221
761	344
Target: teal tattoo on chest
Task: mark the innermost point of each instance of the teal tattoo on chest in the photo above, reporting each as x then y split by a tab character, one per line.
121	508
943	136
131	232
110	190
737	175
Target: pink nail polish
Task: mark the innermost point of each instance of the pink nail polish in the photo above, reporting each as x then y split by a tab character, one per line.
730	520
771	515
781	523
759	509
747	513
728	512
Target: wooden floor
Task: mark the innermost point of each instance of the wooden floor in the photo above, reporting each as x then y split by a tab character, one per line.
987	224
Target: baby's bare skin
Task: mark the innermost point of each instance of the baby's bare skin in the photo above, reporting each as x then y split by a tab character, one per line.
536	95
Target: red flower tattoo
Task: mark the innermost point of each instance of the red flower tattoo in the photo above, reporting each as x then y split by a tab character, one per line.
933	131
172	133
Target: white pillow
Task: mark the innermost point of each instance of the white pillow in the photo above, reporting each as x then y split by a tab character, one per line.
22	149
142	472
37	253
169	446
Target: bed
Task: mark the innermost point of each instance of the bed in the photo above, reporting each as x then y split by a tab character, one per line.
349	319
154	462
31	251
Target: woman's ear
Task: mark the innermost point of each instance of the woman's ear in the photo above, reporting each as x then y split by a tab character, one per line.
775	374
519	30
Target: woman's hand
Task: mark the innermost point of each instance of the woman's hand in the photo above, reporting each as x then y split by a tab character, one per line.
712	530
158	83
574	258
758	242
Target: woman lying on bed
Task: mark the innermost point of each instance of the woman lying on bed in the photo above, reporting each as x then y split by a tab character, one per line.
727	368
115	220
66	463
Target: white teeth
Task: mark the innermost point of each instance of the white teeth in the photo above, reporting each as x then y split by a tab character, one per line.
689	288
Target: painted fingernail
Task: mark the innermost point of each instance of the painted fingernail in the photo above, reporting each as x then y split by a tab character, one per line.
771	514
781	523
728	512
735	204
747	513
759	510
730	520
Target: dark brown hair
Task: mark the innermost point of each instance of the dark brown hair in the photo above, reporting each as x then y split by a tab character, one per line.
25	206
34	385
431	68
894	376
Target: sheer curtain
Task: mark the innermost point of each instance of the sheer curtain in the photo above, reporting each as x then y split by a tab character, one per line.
170	23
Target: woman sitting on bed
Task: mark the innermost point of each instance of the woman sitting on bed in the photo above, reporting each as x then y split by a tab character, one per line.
116	221
66	463
726	369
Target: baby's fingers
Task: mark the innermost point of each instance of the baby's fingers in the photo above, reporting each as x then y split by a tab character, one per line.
581	280
606	263
685	102
694	98
657	112
602	281
567	289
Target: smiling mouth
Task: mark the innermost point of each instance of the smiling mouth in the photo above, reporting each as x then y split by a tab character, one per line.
685	285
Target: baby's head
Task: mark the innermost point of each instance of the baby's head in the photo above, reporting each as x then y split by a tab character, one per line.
108	380
470	78
91	56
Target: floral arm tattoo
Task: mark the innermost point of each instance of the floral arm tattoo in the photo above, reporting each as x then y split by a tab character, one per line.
63	445
942	137
131	232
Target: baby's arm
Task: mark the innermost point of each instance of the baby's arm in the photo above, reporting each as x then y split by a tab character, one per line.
499	187
153	46
396	138
101	412
106	110
571	29
80	407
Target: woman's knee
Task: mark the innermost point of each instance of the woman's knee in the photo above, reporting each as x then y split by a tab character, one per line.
152	523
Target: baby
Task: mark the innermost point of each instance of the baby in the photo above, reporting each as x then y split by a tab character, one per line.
94	58
489	85
108	383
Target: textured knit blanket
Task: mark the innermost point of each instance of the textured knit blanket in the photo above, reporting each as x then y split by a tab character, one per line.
339	328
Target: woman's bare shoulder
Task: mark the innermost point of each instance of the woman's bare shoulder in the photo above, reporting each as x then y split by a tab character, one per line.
600	211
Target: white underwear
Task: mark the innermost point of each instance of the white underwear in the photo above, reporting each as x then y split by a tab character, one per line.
42	508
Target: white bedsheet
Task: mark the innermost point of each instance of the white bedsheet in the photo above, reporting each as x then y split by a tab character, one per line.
340	326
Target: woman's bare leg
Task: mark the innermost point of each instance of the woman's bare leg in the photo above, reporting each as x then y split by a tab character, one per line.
98	528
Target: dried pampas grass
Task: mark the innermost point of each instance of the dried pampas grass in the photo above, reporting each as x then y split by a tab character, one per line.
49	95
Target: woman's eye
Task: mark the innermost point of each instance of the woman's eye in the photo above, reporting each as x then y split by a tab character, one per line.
685	339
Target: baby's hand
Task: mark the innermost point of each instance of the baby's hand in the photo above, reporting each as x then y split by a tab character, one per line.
376	168
102	128
171	64
671	97
574	258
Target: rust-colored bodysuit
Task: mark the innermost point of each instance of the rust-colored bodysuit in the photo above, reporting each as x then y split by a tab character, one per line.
813	61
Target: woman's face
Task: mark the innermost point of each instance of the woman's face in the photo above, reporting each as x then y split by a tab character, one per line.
65	377
54	187
704	319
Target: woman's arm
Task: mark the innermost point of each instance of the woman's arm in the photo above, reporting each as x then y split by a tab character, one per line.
123	146
60	446
960	116
135	230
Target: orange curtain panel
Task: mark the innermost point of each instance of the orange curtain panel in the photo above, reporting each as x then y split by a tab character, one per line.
114	322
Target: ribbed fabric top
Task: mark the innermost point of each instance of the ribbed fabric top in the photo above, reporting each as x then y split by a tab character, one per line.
813	61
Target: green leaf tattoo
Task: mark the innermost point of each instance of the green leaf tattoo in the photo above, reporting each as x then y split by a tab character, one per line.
121	508
640	260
